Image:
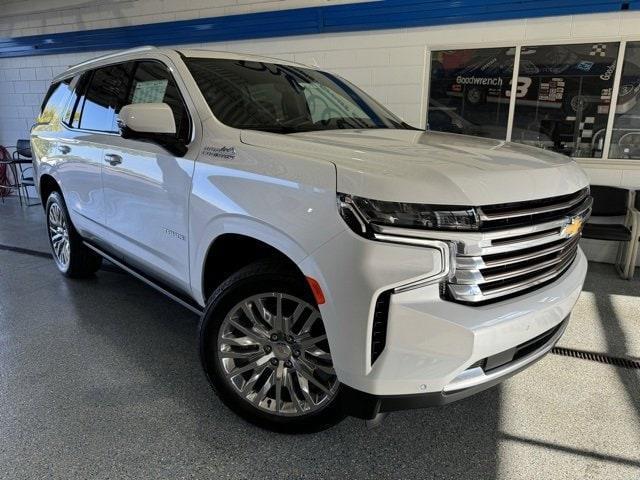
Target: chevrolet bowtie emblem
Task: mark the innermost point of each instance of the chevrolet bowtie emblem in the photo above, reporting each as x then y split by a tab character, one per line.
572	228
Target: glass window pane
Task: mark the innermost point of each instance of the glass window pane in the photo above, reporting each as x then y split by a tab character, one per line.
328	105
625	138
285	98
563	97
152	83
54	102
107	93
469	91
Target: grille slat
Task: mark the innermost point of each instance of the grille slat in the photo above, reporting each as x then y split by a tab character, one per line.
513	261
509	215
487	214
522	257
516	267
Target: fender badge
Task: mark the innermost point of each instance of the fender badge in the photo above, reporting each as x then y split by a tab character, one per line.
220	152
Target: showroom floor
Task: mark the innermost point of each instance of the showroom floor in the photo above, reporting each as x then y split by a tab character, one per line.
101	379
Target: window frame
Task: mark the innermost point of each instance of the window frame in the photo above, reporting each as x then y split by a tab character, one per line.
605	160
52	88
83	79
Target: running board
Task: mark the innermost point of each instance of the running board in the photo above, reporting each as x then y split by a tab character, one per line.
175	296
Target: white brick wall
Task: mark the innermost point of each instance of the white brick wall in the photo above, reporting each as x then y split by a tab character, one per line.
390	65
36	17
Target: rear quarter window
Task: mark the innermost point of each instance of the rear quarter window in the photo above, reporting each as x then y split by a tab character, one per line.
52	107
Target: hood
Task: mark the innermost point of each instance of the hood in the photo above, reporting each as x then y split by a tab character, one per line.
432	167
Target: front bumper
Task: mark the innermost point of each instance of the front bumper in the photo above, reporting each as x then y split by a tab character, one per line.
430	342
471	381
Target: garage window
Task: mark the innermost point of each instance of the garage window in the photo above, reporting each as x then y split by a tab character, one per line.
469	91
580	100
563	97
625	138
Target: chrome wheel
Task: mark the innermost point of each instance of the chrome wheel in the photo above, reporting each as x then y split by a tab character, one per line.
274	353
59	236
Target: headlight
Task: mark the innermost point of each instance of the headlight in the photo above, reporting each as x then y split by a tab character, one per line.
360	213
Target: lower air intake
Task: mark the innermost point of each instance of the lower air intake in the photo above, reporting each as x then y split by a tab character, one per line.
379	329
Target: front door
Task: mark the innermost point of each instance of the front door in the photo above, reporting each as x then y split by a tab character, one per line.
146	188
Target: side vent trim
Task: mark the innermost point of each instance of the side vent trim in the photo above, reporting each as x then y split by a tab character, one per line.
379	328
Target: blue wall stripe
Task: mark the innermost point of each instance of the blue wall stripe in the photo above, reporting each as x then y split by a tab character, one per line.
386	14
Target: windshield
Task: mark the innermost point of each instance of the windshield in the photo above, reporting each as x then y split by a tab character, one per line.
285	99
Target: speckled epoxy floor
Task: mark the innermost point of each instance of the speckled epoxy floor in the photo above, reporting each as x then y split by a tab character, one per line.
101	379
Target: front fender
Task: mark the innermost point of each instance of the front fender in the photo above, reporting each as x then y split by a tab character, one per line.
239	225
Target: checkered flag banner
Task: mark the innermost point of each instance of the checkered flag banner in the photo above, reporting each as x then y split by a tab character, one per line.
585	129
598	50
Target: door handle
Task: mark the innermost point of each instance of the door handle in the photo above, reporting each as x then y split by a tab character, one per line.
64	149
113	159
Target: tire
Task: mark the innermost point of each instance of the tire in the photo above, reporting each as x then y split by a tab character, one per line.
72	257
225	349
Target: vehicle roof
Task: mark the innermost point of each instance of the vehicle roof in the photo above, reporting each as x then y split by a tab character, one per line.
187	52
204	53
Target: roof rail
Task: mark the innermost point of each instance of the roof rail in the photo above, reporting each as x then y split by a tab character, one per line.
112	55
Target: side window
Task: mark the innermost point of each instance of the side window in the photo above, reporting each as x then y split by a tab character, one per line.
55	101
105	95
153	83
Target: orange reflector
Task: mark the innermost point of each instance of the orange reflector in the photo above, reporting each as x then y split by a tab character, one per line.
317	291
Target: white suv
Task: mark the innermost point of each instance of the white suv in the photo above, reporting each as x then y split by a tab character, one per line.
343	261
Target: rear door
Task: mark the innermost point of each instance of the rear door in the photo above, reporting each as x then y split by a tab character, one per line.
45	132
147	188
76	160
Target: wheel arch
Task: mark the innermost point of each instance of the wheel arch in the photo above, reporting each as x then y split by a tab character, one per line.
235	243
231	251
47	184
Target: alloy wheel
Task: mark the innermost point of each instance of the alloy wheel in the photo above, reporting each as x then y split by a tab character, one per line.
274	353
59	236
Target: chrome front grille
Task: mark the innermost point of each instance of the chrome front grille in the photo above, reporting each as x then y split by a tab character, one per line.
523	246
509	215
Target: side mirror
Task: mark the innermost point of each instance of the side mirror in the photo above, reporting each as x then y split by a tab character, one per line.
147	118
151	122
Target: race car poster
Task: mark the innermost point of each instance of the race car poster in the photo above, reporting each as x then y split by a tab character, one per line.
562	96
